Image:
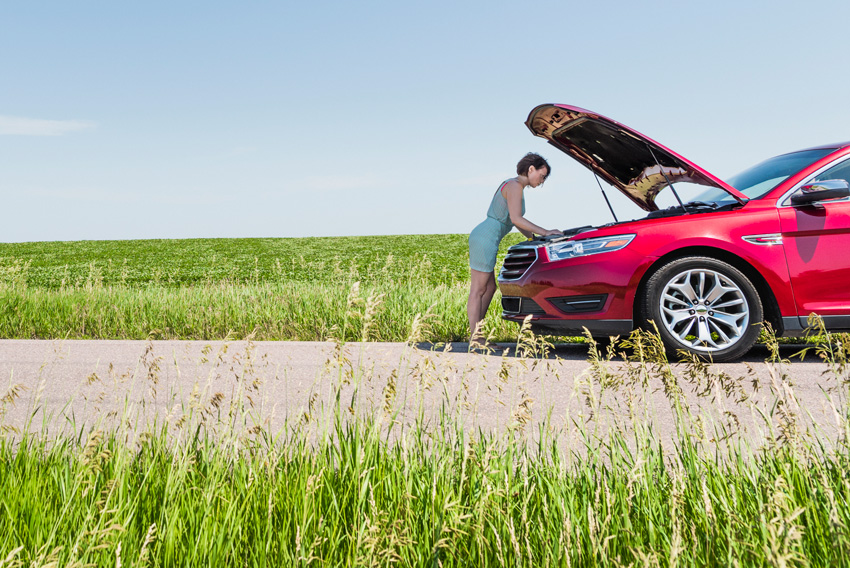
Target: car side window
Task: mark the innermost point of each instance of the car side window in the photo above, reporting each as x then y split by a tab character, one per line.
841	171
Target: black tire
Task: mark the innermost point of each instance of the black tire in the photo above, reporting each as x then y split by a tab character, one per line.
704	306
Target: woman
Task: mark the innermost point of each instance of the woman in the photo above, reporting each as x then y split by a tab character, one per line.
506	212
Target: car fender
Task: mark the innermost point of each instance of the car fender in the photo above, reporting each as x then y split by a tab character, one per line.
777	296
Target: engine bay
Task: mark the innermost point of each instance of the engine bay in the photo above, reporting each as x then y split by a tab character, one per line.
690	208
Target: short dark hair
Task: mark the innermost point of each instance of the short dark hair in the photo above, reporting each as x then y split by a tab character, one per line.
532	159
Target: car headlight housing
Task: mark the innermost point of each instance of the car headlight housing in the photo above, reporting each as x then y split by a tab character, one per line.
572	249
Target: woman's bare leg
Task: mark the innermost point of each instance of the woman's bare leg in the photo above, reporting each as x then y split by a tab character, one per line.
482	286
488	295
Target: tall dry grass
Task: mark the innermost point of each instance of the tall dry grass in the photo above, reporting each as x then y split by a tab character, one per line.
344	484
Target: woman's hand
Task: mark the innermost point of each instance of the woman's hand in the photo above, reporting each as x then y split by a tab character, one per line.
552	233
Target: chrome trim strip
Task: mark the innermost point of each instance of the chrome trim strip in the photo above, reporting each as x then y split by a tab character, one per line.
767	239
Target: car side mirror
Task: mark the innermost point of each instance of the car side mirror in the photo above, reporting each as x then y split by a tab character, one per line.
821	190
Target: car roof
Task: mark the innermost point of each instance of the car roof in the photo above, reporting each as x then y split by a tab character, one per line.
836	146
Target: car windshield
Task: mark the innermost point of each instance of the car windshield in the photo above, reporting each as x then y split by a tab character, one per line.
761	178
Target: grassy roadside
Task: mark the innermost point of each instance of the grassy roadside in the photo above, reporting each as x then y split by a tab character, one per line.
266	311
275	289
210	486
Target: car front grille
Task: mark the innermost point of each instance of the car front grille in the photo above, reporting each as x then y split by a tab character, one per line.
579	304
521	306
517	261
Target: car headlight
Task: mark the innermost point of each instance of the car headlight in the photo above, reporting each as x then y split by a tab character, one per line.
572	249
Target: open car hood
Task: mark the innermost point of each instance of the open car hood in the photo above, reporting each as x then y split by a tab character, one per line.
636	165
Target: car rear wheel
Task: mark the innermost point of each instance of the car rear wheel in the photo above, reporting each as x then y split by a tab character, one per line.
704	306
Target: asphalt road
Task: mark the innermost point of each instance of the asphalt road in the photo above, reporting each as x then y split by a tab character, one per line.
73	386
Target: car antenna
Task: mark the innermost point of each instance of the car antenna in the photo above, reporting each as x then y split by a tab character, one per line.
661	168
605	195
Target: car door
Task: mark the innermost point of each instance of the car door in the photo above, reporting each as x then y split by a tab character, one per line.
816	239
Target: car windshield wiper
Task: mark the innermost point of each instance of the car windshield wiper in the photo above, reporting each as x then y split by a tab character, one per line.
698	204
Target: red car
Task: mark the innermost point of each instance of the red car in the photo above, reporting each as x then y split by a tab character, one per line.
767	245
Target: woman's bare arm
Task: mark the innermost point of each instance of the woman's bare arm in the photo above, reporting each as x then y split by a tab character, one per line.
513	195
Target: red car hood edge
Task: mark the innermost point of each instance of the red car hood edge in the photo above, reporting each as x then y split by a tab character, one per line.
640	177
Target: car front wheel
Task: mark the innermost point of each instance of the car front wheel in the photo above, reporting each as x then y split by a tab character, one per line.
704	306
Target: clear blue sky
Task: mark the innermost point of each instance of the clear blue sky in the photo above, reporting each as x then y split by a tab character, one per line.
175	119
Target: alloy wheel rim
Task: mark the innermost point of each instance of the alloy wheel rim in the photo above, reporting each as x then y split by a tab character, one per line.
704	310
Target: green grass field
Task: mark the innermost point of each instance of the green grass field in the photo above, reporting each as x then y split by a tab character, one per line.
276	289
425	259
209	485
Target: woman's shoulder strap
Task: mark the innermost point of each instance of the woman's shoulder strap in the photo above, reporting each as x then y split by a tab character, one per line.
501	187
